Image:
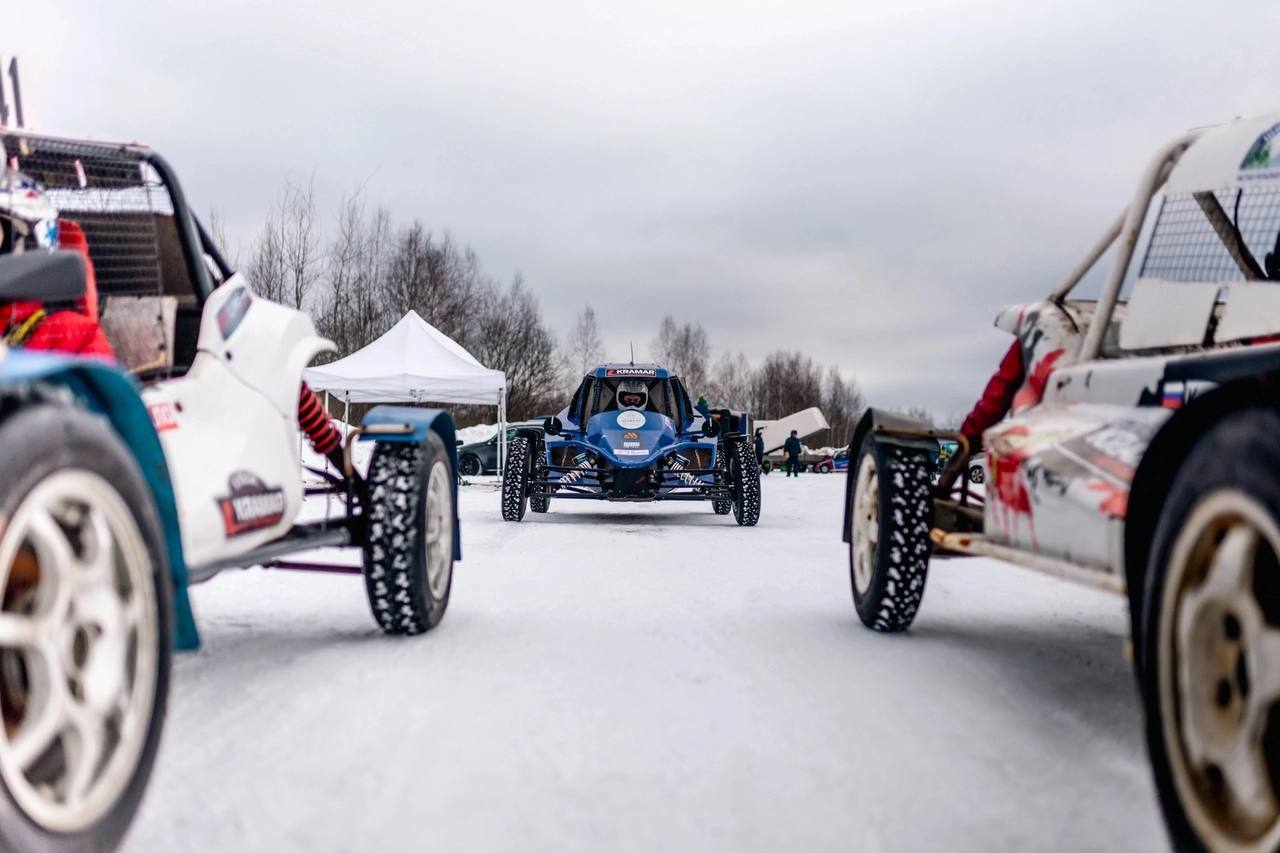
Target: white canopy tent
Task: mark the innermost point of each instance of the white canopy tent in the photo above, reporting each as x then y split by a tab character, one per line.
414	362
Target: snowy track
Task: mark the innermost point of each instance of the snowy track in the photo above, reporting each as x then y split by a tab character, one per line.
644	677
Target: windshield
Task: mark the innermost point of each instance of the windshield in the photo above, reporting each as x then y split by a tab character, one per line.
658	396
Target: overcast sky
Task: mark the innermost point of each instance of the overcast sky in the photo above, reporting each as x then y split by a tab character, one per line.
867	182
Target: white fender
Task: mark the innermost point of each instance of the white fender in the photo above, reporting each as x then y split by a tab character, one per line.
229	426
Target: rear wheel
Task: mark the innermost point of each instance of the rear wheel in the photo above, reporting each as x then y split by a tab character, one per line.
1211	641
85	633
976	474
408	555
515	479
746	483
469	465
722	479
889	546
539	478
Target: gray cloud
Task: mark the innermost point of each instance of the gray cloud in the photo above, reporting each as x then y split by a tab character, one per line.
867	182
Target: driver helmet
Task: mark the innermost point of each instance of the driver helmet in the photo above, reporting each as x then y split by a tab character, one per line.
28	220
632	394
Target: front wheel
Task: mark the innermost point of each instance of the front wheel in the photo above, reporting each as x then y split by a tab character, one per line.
85	633
515	480
722	479
746	484
1210	641
408	552
977	475
889	545
539	479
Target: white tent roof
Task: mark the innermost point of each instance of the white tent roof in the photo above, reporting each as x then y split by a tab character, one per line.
412	362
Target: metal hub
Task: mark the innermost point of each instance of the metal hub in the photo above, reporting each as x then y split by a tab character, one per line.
439	512
1219	681
866	524
78	650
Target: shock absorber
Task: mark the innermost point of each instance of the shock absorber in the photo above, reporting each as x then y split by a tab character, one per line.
678	463
581	463
314	420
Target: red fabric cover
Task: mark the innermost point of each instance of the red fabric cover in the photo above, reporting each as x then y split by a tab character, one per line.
997	398
62	331
71	236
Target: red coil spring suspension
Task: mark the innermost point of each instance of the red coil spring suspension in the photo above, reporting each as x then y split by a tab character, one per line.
321	432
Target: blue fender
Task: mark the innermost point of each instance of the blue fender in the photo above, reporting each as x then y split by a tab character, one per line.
107	391
421	421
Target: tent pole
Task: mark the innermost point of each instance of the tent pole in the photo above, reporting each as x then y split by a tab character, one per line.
502	432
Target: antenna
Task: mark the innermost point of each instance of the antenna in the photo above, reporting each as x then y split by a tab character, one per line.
633	353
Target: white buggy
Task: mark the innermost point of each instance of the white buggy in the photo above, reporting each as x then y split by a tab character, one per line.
1142	455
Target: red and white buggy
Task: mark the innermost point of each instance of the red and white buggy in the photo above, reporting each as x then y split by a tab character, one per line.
1142	455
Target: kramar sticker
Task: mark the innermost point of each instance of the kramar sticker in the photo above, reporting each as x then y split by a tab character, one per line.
251	504
639	372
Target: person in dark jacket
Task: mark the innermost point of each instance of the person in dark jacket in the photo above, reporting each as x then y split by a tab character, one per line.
759	445
791	449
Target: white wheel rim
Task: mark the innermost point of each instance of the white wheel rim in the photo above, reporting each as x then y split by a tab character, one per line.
1219	682
866	523
439	511
79	650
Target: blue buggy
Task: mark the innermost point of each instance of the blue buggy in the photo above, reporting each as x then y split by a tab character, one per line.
630	433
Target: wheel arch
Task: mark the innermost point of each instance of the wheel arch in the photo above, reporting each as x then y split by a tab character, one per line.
1161	463
421	423
104	390
883	423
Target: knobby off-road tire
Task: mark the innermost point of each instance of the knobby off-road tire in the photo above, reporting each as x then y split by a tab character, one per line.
746	483
889	544
515	479
408	555
539	467
722	478
82	549
1210	641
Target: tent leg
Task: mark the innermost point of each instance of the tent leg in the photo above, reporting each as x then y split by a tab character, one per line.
502	432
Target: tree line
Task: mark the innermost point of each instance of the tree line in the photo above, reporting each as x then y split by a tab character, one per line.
362	274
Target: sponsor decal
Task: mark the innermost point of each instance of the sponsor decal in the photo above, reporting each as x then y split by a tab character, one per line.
632	452
630	444
641	372
163	415
630	420
1173	395
233	311
1262	160
631	435
250	504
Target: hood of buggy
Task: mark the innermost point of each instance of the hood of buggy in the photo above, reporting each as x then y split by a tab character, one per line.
631	439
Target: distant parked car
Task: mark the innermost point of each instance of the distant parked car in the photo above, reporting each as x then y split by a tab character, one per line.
837	462
481	457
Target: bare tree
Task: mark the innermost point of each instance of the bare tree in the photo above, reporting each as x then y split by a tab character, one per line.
266	269
510	336
786	383
299	240
732	383
842	404
218	232
686	350
583	349
920	413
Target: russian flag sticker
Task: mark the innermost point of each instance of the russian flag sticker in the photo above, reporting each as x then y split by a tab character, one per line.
1173	395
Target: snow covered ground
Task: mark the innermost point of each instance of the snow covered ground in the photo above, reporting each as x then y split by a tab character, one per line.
641	677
